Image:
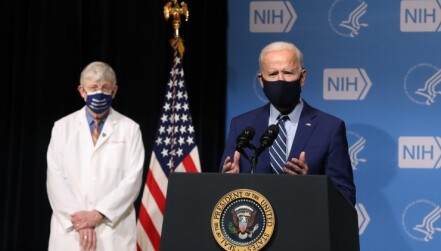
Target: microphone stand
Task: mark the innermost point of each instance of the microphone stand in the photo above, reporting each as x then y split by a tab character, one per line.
253	159
253	163
257	152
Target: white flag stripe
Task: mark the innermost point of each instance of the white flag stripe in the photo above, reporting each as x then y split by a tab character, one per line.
158	174
143	239
155	215
194	154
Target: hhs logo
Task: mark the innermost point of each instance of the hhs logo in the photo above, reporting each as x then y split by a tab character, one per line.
422	83
271	16
344	17
345	84
356	145
419	152
420	15
421	220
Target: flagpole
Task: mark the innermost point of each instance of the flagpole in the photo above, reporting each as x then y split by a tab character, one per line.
174	148
175	10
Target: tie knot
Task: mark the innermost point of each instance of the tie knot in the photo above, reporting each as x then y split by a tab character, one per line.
282	118
97	121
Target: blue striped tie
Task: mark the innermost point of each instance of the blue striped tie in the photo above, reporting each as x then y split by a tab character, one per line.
278	149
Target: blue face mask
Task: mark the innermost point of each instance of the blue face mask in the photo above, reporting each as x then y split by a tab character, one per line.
99	102
282	94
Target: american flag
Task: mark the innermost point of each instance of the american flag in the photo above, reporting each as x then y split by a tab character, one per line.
174	150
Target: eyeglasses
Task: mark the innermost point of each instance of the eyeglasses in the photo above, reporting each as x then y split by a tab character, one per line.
95	88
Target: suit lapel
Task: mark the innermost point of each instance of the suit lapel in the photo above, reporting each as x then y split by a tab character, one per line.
305	128
261	124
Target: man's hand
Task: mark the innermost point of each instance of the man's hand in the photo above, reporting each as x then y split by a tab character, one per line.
87	239
85	219
232	167
297	166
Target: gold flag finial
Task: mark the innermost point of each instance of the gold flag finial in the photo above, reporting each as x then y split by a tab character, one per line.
173	9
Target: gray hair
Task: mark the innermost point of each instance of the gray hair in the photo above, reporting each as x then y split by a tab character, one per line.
280	45
98	71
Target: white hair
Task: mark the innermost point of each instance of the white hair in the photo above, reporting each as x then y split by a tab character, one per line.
280	45
98	71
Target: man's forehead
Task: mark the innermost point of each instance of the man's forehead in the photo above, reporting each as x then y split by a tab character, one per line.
290	66
93	81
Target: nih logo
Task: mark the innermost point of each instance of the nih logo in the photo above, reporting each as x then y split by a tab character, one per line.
419	152
363	218
420	16
271	16
345	84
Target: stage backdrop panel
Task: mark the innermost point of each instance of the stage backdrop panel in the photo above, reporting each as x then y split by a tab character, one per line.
376	65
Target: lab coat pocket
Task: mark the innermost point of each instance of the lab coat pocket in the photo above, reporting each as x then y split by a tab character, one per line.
115	153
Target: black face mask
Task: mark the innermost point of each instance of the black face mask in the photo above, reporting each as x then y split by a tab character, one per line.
282	94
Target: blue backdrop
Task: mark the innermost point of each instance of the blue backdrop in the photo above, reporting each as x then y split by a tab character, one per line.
375	64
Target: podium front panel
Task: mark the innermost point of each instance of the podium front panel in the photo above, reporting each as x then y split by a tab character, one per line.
304	208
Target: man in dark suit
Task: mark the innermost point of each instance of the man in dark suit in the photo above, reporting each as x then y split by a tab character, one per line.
316	142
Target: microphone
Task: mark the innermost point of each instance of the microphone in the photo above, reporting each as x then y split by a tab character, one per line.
266	140
243	140
269	136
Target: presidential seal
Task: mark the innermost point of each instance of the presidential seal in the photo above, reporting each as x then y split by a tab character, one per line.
243	220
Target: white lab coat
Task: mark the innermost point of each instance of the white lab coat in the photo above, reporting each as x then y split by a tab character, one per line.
106	177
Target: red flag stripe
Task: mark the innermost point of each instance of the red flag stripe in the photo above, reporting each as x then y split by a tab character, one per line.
158	196
149	227
189	164
158	174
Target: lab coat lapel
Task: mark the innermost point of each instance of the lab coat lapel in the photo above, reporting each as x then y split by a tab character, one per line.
107	130
84	129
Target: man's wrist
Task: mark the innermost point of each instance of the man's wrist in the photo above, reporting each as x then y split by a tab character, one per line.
100	217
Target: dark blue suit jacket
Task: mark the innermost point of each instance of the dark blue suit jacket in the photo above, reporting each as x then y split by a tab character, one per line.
320	135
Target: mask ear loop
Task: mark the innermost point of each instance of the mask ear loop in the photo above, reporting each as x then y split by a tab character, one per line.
260	77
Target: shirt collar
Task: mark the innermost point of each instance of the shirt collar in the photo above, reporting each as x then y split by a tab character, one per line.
294	115
90	118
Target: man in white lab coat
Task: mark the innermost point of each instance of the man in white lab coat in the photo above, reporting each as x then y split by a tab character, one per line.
95	162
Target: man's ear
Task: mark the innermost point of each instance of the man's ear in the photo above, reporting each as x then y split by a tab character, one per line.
303	77
259	76
82	91
115	89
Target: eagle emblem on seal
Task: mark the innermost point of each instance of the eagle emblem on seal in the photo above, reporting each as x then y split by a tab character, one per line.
243	222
